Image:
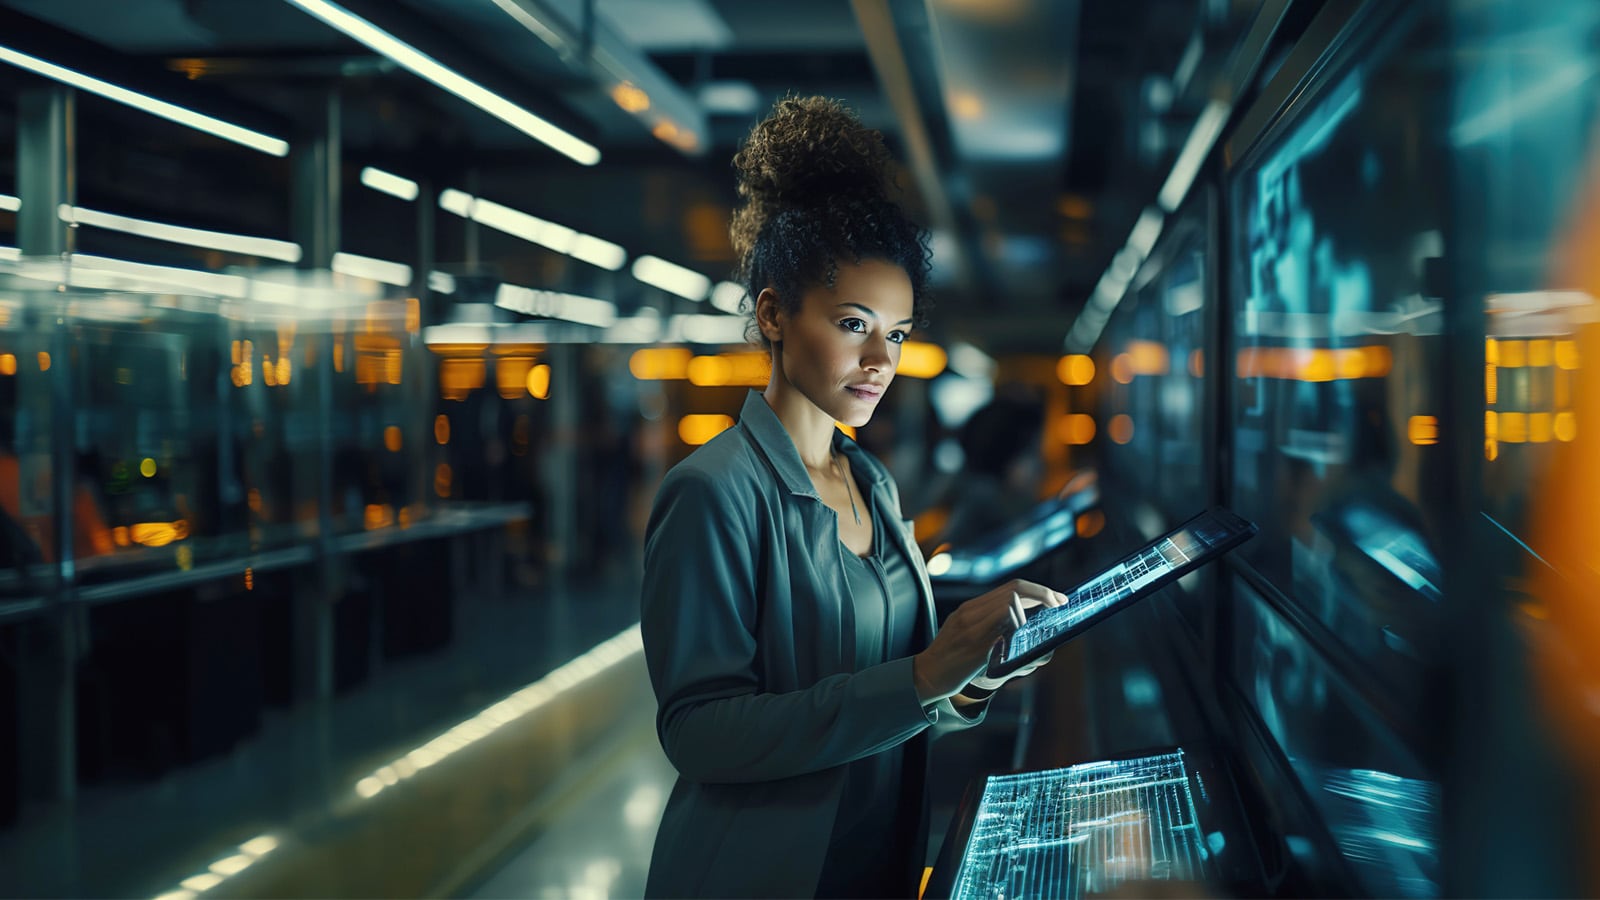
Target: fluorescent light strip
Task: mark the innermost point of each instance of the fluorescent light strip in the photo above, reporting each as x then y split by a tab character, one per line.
671	277
727	296
249	853
10	203
425	66
531	228
267	248
621	648
373	269
159	277
228	131
441	282
389	183
1206	128
530	302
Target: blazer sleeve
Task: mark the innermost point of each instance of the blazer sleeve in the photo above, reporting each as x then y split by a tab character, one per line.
698	620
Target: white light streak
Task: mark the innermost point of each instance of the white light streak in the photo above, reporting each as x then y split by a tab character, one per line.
421	64
727	296
389	183
382	270
267	248
671	277
1206	128
228	131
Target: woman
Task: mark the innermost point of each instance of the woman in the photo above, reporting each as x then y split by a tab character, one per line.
787	616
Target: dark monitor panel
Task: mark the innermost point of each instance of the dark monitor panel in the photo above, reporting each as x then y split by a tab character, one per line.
1155	403
1336	223
1379	806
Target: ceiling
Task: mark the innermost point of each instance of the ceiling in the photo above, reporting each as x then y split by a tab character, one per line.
1033	132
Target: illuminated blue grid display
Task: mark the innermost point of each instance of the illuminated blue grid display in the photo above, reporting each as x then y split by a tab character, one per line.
1083	830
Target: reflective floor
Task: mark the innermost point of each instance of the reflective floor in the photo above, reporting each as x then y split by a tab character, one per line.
596	840
294	778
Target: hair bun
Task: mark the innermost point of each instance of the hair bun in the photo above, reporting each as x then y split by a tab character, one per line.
805	151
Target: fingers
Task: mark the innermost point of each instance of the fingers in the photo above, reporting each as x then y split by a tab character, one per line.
1018	611
1036	594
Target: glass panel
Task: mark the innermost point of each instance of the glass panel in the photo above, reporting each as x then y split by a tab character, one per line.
1337	354
1379	806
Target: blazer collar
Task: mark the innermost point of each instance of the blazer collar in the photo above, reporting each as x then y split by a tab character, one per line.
774	442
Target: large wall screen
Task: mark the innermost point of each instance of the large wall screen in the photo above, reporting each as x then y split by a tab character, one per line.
1336	355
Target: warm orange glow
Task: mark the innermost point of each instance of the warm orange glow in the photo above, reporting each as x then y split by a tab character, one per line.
44	361
1314	364
849	430
539	382
458	378
441	429
511	375
254	500
269	372
1541	352
919	359
1491	449
249	579
1076	429
442	477
1121	428
630	97
338	356
965	105
413	315
1148	358
1491	352
8	364
697	429
1513	354
1491	383
660	363
378	515
238	352
1074	207
1122	369
119	535
283	370
665	131
1540	427
392	367
1423	430
158	534
392	438
1563	389
1513	427
730	369
1075	370
929	523
406	515
1566	426
1567	355
1197	363
1090	523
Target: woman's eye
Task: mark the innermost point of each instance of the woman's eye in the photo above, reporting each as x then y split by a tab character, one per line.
899	337
856	325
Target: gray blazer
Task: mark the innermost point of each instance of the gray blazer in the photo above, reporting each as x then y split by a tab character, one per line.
748	635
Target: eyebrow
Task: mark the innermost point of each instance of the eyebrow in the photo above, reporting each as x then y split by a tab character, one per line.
869	312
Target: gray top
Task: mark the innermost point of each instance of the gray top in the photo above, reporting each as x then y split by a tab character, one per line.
751	648
868	849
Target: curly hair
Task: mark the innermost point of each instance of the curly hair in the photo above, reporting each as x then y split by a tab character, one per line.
816	183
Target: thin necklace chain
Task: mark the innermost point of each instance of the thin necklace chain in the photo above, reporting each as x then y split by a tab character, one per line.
847	490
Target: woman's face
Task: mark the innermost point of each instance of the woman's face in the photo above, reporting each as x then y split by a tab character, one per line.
840	349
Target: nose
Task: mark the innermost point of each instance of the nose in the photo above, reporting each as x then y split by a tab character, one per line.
875	355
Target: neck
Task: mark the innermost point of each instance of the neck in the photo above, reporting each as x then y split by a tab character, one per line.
809	428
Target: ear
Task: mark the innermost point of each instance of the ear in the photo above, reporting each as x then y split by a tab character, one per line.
769	315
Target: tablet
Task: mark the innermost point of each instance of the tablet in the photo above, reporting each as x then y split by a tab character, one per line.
1143	572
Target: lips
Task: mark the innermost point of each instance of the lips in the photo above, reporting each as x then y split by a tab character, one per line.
868	392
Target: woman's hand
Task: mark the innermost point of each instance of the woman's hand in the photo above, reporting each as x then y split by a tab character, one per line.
961	648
